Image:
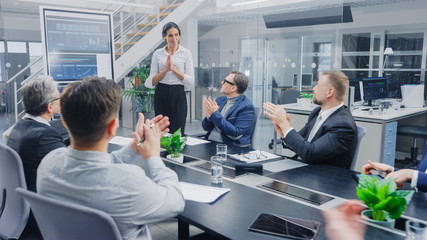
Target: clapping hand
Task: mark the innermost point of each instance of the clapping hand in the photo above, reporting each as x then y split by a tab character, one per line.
210	107
151	145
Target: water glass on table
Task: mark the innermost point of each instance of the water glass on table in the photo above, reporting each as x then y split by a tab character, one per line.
216	169
221	151
416	230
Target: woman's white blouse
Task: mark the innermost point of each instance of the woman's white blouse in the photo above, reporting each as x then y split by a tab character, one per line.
181	59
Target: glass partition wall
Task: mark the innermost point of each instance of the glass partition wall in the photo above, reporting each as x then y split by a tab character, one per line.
282	61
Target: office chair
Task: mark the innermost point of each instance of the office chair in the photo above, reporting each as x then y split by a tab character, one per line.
361	132
68	221
289	96
15	211
257	116
3	201
415	132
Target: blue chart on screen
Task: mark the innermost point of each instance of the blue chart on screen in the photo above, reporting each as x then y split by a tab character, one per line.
76	35
68	67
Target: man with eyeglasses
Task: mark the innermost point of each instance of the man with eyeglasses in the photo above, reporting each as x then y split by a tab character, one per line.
33	137
230	118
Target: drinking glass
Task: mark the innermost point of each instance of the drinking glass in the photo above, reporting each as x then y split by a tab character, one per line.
415	230
221	151
216	169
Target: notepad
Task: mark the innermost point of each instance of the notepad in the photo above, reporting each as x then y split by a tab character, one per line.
254	156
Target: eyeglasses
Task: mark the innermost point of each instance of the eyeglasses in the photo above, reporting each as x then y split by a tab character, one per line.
253	155
55	99
226	81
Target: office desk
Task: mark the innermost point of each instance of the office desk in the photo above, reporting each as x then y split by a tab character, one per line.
379	143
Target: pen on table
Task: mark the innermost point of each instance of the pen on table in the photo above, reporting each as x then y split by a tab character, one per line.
143	137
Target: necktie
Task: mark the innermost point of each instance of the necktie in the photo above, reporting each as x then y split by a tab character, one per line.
315	128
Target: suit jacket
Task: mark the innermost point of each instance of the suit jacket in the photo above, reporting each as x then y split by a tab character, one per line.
334	143
422	175
33	140
239	121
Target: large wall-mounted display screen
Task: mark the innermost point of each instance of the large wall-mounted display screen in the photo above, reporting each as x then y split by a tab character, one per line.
77	44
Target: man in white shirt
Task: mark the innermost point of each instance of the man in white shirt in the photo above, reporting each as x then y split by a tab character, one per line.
86	174
330	135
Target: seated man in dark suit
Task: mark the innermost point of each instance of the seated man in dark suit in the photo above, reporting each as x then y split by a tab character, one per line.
230	118
330	135
418	176
32	137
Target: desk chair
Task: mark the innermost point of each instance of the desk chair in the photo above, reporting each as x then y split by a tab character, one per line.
15	211
257	116
68	221
289	96
415	132
361	132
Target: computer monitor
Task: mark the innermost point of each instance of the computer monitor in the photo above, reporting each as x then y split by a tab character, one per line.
355	83
307	80
374	88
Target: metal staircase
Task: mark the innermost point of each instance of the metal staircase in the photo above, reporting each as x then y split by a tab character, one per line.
136	35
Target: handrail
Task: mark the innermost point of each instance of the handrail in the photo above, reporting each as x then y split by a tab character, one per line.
23	70
134	37
32	75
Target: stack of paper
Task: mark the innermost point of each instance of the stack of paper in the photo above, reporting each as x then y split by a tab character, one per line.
201	193
121	140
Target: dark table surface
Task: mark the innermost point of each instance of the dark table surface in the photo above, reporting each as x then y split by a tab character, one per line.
231	215
340	182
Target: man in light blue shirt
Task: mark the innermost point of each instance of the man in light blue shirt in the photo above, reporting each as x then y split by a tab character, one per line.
86	174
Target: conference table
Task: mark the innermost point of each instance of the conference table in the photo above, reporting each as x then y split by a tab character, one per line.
230	216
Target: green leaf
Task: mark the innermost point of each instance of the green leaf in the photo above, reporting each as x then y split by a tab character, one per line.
406	194
368	197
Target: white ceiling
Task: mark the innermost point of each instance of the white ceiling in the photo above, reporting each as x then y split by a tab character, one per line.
223	10
239	14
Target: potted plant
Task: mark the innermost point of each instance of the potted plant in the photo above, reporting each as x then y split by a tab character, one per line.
305	99
141	95
386	203
175	145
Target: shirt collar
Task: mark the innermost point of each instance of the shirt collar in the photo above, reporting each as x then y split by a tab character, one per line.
89	155
327	113
178	50
37	119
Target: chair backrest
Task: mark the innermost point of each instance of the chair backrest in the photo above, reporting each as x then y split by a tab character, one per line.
257	116
63	220
361	131
59	127
15	211
289	96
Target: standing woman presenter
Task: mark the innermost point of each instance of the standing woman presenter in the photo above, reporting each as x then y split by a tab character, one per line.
171	68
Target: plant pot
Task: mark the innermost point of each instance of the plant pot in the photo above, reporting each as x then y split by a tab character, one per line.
179	159
304	102
388	222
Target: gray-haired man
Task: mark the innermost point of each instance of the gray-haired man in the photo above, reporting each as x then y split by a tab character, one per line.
32	137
